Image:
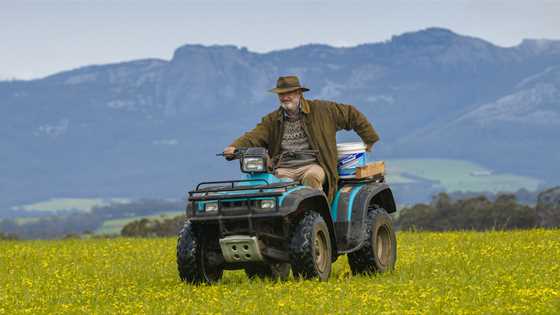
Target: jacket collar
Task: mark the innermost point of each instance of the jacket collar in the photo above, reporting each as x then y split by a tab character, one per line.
304	105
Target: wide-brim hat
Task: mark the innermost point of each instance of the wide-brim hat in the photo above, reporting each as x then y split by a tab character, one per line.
288	84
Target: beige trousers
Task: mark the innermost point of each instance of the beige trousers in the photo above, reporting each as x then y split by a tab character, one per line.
311	175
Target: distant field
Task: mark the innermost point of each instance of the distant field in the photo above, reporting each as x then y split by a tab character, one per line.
456	175
81	204
115	226
27	220
454	273
452	175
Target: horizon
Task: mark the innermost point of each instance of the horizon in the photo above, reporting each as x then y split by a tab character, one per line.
277	50
65	35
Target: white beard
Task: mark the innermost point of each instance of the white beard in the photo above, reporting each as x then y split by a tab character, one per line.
289	106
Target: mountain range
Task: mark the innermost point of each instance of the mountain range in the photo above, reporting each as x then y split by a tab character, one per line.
150	128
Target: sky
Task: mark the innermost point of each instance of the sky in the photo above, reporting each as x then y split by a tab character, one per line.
42	37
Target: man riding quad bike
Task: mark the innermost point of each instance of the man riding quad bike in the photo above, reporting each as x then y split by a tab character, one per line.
291	211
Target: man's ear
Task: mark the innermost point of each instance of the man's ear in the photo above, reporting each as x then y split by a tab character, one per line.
369	146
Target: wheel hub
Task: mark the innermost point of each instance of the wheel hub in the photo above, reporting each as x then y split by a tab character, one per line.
383	245
321	255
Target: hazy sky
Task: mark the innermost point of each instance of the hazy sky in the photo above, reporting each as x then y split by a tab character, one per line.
41	37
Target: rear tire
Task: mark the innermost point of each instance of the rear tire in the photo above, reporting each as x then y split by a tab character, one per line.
379	251
277	271
310	248
192	259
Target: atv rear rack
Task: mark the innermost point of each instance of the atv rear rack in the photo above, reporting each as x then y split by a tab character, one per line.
379	178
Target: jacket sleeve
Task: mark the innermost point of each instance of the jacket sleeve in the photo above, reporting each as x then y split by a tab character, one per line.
258	137
349	118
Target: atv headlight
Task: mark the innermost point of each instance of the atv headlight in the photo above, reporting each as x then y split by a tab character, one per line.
211	207
267	204
253	164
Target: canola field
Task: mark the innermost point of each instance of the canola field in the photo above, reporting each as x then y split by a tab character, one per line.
456	273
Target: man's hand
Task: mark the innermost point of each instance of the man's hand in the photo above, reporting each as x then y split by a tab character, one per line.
229	152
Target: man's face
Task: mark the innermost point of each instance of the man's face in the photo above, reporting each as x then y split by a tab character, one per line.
289	100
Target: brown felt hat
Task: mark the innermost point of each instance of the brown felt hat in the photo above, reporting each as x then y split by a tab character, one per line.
288	84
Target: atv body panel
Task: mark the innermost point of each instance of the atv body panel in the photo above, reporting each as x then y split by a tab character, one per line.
350	207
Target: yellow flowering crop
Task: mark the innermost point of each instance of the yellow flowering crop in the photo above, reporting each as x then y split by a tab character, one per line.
456	273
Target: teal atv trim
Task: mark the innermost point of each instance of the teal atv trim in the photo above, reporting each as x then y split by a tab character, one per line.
268	225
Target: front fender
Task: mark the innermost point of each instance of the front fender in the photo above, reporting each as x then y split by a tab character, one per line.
300	199
291	200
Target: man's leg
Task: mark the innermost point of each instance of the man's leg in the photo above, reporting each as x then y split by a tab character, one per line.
287	173
313	176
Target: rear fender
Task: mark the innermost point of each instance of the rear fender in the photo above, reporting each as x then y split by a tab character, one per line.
352	226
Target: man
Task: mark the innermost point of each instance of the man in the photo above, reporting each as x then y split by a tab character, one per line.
303	125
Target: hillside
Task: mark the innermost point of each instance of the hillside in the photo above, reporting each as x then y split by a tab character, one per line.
150	128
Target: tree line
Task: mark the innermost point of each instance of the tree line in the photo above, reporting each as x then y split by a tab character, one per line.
481	214
85	222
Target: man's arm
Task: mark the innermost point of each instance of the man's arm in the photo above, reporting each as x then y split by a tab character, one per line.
349	118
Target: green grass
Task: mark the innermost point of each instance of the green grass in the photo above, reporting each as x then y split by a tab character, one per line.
456	175
453	273
115	226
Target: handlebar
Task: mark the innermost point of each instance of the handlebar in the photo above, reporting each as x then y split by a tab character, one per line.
237	154
240	152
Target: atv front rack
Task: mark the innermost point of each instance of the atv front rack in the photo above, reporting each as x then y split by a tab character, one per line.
209	193
231	199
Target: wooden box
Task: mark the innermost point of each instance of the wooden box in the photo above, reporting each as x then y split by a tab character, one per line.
371	169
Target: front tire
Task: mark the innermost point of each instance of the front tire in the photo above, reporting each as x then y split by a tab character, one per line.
379	251
192	259
310	248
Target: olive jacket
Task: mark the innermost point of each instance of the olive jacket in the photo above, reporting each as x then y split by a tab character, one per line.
322	119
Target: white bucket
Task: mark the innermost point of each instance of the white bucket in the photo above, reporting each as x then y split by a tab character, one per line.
350	156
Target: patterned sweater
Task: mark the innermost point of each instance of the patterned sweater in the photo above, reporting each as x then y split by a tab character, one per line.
295	139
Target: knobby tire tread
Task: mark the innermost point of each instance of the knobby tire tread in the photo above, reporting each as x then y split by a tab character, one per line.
301	247
363	261
189	264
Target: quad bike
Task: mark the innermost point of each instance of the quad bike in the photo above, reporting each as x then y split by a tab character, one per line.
268	225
